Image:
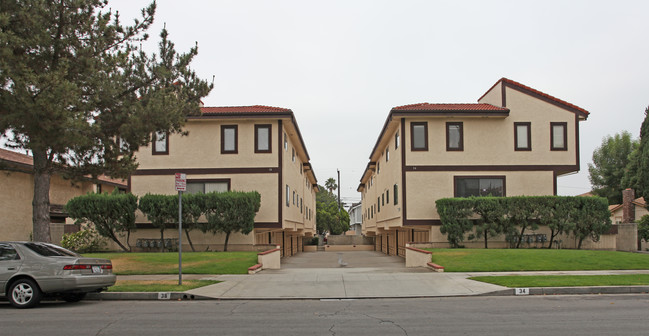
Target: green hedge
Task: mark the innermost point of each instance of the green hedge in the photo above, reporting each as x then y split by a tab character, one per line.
487	217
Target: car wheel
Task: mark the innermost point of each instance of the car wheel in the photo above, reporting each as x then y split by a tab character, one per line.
24	293
73	297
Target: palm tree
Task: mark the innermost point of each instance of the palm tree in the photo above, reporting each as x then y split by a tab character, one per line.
331	185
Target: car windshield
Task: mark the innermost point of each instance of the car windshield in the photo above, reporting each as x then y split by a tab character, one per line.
47	250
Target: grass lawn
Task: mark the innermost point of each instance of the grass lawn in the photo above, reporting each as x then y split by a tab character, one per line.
507	260
158	286
167	262
566	280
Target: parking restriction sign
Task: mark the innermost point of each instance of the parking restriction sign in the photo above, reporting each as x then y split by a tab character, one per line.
181	182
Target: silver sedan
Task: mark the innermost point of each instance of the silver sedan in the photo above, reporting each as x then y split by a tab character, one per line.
31	270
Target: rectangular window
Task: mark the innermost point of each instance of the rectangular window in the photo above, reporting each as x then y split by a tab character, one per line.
293	154
467	186
559	136
263	134
300	205
387	196
293	197
378	167
229	139
382	199
396	194
522	136
378	204
285	142
419	136
396	140
387	154
454	136
288	197
161	143
202	186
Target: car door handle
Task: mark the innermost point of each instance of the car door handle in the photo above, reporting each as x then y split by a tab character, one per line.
11	269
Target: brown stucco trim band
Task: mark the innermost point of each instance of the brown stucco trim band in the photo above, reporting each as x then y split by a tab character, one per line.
172	171
491	168
268	225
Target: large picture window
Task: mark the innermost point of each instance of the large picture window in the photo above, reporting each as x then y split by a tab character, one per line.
522	136
454	136
262	138
419	136
467	186
203	186
229	140
558	136
161	143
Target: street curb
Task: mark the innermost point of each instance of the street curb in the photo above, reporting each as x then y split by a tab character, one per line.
180	296
574	290
145	296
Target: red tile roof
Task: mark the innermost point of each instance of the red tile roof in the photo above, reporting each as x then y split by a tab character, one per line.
534	92
478	107
28	161
11	156
241	109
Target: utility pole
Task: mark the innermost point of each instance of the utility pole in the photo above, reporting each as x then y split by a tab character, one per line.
338	191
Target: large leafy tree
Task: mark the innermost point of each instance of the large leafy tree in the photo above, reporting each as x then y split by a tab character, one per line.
77	91
231	212
161	210
328	218
609	163
637	172
113	215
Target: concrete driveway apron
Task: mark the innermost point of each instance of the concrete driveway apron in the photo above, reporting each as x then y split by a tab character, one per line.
321	275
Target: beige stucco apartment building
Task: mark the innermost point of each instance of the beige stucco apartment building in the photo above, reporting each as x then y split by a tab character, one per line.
244	148
17	181
515	141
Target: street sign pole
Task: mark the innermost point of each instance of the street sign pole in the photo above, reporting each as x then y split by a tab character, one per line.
180	238
181	185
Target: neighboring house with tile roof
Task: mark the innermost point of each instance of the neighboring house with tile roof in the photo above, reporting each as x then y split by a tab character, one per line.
514	141
17	181
242	148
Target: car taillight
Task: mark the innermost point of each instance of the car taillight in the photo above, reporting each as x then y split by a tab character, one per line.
82	267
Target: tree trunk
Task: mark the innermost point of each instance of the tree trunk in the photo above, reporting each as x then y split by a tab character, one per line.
41	200
552	235
580	241
162	240
485	239
227	237
114	238
128	238
189	240
520	238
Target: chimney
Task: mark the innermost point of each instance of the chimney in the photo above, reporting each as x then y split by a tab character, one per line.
628	210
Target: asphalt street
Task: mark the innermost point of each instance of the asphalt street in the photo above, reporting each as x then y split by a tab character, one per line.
529	315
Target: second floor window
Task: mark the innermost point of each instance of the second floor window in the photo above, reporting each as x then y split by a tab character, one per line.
419	136
558	136
161	143
454	136
262	138
522	136
229	139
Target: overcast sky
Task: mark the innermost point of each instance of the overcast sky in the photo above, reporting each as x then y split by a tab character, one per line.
342	65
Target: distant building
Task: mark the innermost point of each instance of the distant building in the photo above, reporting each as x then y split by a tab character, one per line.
514	141
355	219
242	148
17	181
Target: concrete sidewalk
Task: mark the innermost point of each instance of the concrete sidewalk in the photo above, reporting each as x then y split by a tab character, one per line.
318	275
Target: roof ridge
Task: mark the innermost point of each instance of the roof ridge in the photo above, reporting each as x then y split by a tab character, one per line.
532	90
